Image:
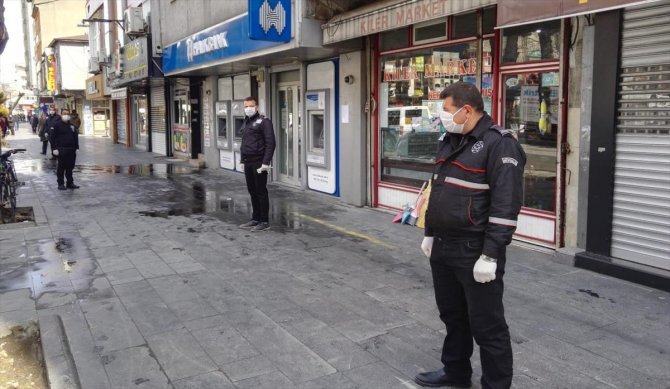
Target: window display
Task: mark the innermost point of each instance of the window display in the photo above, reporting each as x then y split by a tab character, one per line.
410	104
532	42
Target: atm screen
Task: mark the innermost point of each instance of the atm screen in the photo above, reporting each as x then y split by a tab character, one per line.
222	127
318	133
238	126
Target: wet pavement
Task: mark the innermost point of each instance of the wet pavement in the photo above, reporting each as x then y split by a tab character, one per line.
142	278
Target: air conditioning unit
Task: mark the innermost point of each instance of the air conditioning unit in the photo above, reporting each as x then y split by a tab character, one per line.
93	65
133	20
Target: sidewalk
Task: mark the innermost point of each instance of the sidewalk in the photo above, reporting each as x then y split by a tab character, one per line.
141	279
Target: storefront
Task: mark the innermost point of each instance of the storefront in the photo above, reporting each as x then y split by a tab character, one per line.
120	101
96	116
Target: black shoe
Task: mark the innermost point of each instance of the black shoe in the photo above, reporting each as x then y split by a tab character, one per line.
43	153
62	187
249	225
262	226
439	378
73	186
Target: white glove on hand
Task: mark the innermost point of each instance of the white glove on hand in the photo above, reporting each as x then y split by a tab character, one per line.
263	168
427	245
485	269
54	152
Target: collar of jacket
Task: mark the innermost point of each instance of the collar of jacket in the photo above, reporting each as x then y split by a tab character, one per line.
256	115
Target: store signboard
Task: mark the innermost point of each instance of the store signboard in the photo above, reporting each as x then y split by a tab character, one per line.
212	46
119	94
51	72
270	20
134	61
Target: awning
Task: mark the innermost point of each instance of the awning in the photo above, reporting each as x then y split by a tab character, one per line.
519	12
391	14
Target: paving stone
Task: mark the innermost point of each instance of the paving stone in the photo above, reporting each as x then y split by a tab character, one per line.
333	381
224	344
180	355
379	376
153	269
134	368
144	305
16	300
213	380
290	356
173	288
247	368
117	262
111	326
189	310
205	322
272	380
124	276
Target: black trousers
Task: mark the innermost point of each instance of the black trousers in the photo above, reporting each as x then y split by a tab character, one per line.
257	185
45	143
471	309
66	160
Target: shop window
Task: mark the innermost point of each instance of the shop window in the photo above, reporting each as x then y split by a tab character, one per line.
430	32
394	39
410	106
488	20
531	110
465	25
532	42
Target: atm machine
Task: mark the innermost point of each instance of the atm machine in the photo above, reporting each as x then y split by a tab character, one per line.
322	128
223	135
237	119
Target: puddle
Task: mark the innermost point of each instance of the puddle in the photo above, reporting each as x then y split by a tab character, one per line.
21	359
148	170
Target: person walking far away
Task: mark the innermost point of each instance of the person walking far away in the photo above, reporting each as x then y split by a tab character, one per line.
4	125
258	146
52	119
34	121
75	120
64	144
42	131
476	196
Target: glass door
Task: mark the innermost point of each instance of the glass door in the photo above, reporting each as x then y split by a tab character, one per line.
289	130
140	121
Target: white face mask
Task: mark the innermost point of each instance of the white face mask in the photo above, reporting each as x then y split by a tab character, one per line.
66	118
447	119
250	111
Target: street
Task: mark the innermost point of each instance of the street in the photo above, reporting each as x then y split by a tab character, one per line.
141	278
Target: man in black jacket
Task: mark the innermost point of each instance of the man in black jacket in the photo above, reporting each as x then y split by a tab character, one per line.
476	196
45	133
258	146
64	144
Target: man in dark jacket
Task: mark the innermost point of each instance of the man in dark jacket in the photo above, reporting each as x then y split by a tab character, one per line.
476	196
258	146
64	144
45	133
34	120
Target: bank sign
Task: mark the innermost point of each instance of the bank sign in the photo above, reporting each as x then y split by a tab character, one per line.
270	20
212	46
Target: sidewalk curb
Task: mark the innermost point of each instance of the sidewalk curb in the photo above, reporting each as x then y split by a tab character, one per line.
61	370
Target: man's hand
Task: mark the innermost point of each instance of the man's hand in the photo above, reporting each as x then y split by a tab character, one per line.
55	152
263	168
485	269
427	245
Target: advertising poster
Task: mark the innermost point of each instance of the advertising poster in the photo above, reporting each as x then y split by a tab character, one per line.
181	139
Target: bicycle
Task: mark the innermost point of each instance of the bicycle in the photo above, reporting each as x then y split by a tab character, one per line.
8	184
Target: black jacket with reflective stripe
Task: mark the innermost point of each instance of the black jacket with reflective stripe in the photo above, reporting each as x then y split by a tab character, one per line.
477	187
258	140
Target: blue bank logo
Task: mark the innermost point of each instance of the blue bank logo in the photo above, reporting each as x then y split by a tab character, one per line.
270	20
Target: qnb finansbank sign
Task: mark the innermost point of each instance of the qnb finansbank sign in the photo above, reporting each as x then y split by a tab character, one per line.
215	45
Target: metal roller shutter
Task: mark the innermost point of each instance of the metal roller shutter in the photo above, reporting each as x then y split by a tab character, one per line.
158	117
641	214
121	114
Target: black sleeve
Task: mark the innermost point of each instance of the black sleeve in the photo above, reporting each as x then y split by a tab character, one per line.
505	175
53	137
269	140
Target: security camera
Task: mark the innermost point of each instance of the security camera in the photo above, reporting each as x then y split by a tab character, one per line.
349	79
159	48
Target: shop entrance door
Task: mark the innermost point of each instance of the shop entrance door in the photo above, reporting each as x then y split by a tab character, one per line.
530	107
288	133
140	122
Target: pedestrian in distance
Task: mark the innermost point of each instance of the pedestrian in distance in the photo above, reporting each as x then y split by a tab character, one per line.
64	144
53	118
258	146
476	196
42	131
4	125
75	120
34	121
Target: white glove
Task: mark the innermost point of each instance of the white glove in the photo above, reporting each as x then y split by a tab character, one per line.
54	152
263	168
485	269
427	245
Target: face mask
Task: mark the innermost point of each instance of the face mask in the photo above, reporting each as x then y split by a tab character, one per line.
52	112
449	124
250	111
66	118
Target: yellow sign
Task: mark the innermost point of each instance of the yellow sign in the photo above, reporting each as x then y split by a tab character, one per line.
51	72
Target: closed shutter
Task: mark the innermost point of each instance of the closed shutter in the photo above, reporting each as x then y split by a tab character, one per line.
641	214
158	117
121	114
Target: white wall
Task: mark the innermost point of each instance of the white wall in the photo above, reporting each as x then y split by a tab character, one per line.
72	67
